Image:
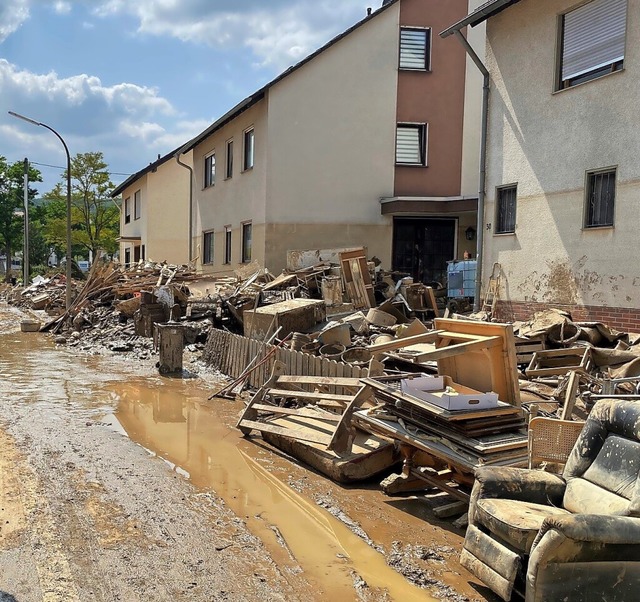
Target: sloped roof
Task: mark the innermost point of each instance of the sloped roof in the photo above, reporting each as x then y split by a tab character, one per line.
482	13
136	176
259	94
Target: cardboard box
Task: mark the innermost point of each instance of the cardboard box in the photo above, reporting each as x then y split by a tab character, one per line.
443	392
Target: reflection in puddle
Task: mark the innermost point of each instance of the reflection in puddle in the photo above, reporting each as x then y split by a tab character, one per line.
172	421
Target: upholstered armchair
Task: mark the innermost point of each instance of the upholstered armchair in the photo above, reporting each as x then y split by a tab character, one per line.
570	537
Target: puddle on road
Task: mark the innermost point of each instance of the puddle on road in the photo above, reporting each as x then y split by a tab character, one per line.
172	421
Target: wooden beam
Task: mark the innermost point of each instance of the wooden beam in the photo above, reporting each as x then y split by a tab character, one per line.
297	434
427	337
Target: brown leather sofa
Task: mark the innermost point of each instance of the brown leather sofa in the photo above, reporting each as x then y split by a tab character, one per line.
570	537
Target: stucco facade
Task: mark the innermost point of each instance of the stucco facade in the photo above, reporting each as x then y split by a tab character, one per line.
159	230
546	141
325	147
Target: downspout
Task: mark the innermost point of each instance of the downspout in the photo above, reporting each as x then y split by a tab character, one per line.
177	157
483	165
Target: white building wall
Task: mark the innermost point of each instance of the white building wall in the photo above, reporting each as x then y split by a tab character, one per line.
332	130
237	199
545	141
476	36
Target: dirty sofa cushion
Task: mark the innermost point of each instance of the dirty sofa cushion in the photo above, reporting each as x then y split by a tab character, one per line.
602	470
515	522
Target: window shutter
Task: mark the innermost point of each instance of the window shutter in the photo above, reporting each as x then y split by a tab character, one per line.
413	49
594	36
409	145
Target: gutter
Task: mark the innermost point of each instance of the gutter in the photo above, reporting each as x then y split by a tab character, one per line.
177	158
483	161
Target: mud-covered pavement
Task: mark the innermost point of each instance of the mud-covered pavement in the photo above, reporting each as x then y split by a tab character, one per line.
118	484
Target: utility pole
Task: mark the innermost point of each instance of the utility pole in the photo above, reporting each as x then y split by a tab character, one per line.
25	252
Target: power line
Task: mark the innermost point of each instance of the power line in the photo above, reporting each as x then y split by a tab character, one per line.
112	173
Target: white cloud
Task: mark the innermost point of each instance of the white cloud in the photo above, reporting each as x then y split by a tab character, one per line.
13	14
129	123
61	7
279	34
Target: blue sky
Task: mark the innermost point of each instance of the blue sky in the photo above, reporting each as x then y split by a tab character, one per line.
134	79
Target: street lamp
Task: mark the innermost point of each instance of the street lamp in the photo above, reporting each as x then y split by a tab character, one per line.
66	150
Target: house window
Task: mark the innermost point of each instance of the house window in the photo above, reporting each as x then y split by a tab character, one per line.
592	39
210	170
601	194
207	244
248	151
415	49
228	170
411	144
506	209
137	205
246	242
227	244
127	210
127	256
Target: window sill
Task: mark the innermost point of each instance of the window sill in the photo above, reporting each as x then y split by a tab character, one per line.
592	228
246	169
504	234
411	165
414	70
589	81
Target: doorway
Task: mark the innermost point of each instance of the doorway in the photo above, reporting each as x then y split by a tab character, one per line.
422	247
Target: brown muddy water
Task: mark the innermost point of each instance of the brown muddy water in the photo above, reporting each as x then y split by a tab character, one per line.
173	420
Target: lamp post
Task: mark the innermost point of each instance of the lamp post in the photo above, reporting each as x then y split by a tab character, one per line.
66	150
25	252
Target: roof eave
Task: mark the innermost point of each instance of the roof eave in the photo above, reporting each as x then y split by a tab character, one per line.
481	14
260	94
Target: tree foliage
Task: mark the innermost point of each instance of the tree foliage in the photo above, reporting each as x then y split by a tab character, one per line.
95	218
12	205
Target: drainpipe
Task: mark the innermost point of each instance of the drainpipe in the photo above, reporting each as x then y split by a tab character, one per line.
177	156
483	165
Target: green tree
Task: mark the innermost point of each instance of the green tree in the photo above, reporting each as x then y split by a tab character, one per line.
11	205
95	218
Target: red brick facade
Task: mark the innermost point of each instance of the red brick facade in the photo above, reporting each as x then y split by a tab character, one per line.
626	319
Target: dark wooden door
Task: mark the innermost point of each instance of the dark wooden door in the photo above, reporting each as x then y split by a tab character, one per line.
422	247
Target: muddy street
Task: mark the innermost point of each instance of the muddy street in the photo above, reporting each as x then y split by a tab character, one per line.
119	484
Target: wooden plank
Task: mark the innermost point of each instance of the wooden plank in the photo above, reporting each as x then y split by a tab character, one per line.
297	434
451	509
311	395
320	380
296	412
431	301
427	337
342	439
458	348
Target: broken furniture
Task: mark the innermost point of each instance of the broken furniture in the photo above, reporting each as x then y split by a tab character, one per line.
357	280
551	440
478	355
557	362
461	440
301	415
569	537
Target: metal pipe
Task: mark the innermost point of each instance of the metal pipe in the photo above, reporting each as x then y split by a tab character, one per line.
177	156
483	166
